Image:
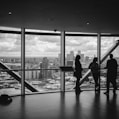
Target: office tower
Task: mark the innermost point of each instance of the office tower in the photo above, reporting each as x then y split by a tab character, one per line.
72	55
82	57
79	52
59	57
44	67
70	63
86	59
56	62
70	58
28	73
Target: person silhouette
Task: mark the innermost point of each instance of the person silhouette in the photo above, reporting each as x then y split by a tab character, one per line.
95	72
111	67
78	72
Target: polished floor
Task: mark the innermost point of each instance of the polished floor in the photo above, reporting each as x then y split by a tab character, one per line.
68	105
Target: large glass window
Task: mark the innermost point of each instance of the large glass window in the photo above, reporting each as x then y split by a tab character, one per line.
86	47
10	64
107	43
42	61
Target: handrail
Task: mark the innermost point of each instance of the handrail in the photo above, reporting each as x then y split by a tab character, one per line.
17	77
4	70
103	58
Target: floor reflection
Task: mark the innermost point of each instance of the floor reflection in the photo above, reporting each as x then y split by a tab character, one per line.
111	111
67	105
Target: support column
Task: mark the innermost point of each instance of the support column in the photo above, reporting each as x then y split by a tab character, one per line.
23	61
99	53
62	60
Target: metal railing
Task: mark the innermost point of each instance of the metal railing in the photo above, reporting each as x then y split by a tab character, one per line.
103	58
17	77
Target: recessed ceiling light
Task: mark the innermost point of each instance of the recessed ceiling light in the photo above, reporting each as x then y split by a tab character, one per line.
9	13
87	23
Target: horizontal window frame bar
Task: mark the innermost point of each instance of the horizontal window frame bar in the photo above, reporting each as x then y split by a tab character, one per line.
58	34
4	70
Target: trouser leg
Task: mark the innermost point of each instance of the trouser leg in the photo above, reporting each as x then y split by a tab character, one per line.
77	84
107	85
96	81
113	81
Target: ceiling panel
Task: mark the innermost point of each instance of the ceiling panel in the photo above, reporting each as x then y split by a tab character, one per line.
69	15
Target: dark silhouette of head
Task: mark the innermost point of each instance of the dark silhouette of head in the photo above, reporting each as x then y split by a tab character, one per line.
78	57
95	59
111	56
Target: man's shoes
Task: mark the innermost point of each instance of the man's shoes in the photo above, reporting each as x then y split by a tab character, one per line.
106	93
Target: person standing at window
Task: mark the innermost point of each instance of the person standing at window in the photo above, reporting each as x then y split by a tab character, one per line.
111	73
95	72
78	72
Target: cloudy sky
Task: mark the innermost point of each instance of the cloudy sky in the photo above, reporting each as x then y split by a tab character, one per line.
10	45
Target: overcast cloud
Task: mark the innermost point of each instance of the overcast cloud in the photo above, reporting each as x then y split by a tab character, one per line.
10	45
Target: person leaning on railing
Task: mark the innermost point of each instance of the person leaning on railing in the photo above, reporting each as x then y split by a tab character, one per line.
95	72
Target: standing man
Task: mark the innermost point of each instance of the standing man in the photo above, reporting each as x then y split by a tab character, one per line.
111	73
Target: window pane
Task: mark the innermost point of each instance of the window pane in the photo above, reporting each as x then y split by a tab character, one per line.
86	47
106	44
42	62
10	59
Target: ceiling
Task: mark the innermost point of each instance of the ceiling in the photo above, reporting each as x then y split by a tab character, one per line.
94	16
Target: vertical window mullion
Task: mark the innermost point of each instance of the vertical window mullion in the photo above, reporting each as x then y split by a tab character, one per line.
63	60
99	53
23	61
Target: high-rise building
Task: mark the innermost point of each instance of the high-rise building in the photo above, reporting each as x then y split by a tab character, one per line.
56	62
70	58
28	74
72	55
44	67
70	63
59	57
79	52
82	57
86	59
